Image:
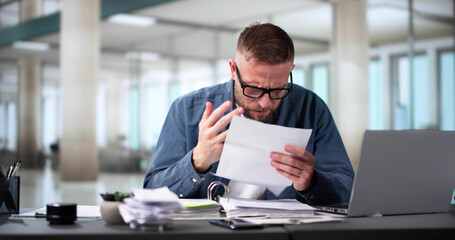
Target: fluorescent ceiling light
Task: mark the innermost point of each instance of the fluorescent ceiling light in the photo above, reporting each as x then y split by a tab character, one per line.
134	20
144	56
149	56
35	46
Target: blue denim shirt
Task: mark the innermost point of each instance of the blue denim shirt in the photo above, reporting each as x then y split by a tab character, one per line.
171	163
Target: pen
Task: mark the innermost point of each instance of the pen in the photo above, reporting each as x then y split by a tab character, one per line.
16	168
10	171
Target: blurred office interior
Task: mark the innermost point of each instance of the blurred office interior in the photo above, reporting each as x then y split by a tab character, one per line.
85	85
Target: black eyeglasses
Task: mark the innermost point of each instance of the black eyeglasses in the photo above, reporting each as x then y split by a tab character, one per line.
257	92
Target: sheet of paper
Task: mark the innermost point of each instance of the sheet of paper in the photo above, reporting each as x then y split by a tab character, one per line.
247	148
162	194
282	208
280	221
279	204
197	202
83	211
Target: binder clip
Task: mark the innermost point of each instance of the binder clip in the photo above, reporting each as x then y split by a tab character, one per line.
212	186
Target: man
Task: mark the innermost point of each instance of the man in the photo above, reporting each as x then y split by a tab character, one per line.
193	134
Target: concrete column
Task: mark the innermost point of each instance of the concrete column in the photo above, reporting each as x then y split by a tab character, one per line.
30	9
79	61
29	110
350	73
29	96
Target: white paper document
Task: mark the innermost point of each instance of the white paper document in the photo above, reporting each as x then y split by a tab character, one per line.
281	221
83	211
248	208
247	148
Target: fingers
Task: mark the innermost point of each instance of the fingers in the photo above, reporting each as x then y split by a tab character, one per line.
220	138
216	114
207	112
297	167
211	118
296	151
225	120
294	178
218	141
290	169
289	160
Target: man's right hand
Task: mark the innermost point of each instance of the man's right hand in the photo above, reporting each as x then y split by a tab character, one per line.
211	139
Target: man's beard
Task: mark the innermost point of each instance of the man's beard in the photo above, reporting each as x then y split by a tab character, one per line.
248	112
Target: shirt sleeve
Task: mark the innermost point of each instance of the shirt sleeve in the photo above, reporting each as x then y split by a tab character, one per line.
171	163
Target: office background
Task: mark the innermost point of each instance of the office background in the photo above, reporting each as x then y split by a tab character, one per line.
146	53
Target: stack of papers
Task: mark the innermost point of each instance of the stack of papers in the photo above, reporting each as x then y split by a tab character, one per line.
198	209
283	208
150	207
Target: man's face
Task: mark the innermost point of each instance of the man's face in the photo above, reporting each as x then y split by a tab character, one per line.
262	75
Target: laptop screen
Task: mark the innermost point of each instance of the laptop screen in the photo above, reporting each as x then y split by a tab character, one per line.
404	172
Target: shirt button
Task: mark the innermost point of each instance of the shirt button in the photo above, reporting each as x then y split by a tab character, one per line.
203	178
181	195
194	180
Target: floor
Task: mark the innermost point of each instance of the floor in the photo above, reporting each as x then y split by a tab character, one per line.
40	187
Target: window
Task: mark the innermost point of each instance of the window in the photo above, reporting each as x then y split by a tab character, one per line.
11	114
402	95
101	112
421	96
298	76
194	75
174	91
375	94
9	13
50	7
50	108
156	91
223	73
411	106
155	110
9	78
134	120
50	111
320	81
447	90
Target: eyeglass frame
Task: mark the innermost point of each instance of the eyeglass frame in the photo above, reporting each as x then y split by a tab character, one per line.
264	90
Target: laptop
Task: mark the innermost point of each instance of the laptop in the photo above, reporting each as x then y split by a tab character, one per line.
402	172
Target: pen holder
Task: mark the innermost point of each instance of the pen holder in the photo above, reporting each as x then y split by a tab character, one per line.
9	196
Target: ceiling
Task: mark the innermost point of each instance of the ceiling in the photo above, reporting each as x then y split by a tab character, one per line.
207	29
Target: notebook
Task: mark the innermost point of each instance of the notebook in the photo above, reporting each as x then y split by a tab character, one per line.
403	172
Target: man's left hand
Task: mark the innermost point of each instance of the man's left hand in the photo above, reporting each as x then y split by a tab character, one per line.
298	166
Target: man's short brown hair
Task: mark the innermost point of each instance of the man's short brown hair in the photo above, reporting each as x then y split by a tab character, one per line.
265	43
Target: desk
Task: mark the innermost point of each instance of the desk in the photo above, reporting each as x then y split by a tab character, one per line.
416	226
390	227
97	229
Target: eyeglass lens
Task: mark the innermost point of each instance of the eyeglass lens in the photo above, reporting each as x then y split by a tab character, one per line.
258	92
